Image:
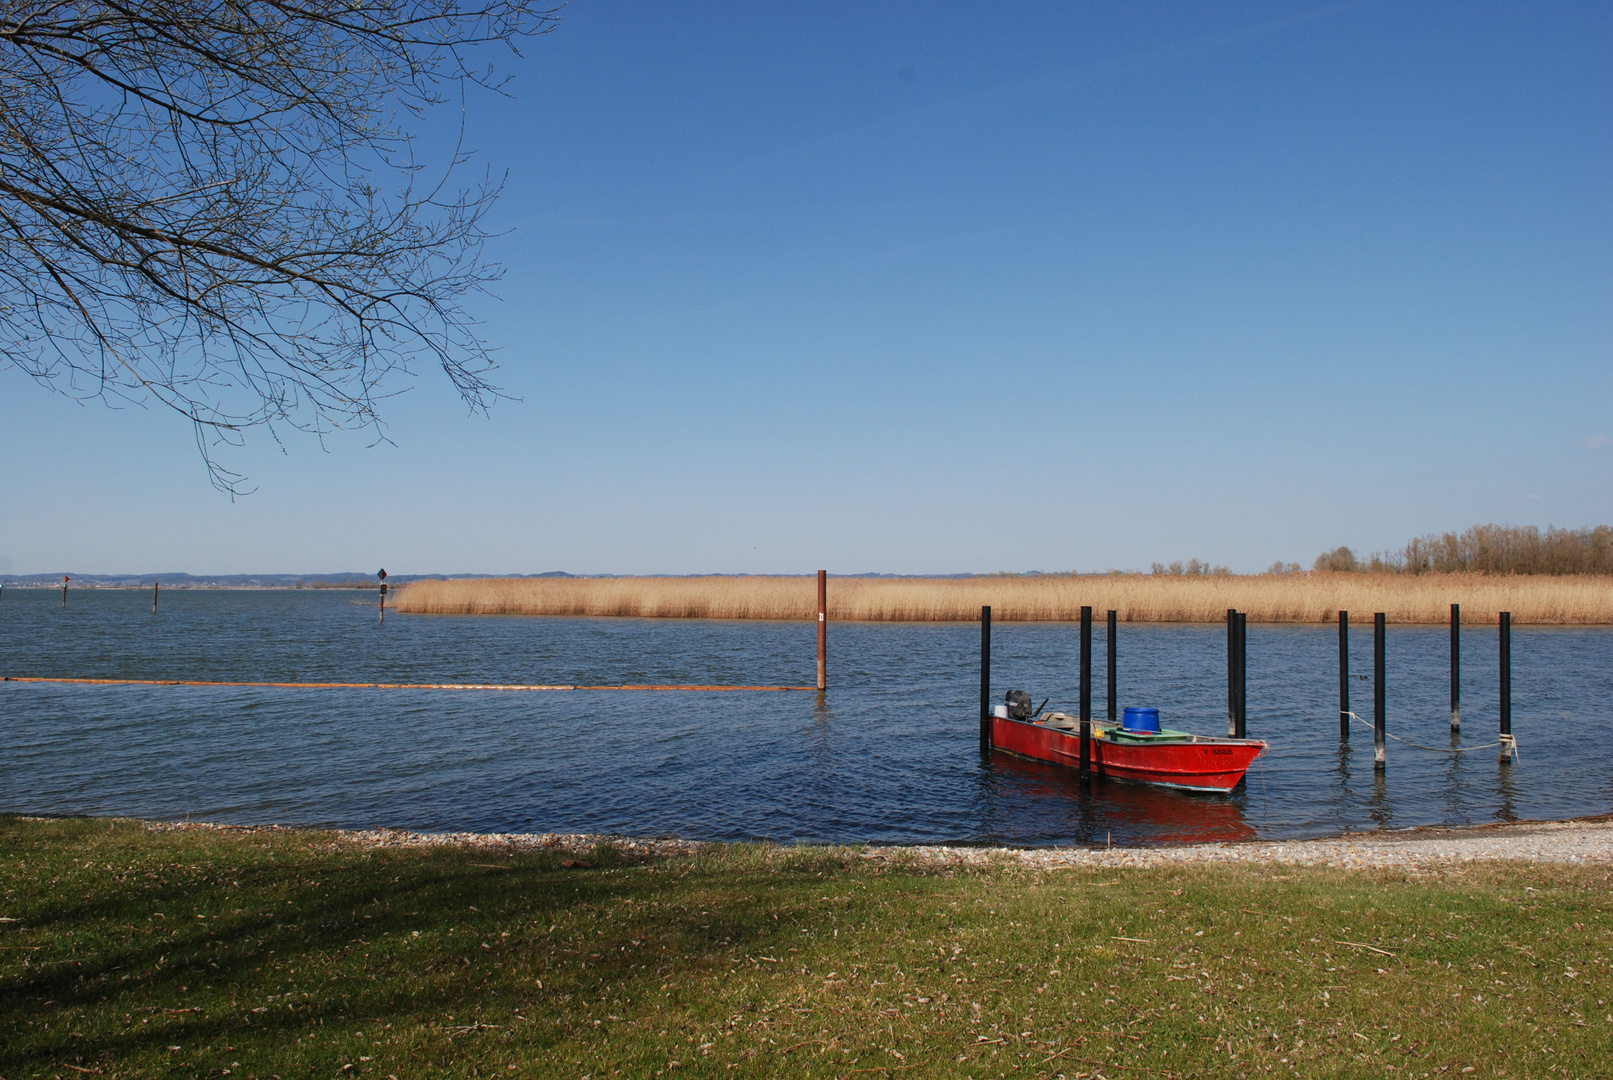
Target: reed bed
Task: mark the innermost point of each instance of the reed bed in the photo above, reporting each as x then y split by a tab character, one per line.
1584	600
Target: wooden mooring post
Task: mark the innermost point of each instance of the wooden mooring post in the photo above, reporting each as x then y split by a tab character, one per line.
1344	676
823	629
1086	693
1378	729
985	680
1456	668
155	585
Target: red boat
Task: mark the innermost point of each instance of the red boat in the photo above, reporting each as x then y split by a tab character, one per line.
1169	758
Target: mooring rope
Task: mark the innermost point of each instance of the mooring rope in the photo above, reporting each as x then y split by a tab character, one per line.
1508	741
387	686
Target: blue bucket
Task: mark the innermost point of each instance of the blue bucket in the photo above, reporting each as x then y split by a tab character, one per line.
1138	719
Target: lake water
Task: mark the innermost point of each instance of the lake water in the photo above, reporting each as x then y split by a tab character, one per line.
889	754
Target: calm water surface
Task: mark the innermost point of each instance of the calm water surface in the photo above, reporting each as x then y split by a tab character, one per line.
888	755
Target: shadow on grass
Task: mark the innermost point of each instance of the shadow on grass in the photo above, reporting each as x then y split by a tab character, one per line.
129	943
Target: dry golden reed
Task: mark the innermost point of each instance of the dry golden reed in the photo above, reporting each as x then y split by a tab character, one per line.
1279	598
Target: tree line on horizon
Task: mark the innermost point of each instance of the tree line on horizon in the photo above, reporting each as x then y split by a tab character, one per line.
1486	549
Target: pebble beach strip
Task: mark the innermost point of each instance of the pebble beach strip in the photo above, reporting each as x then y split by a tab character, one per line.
1575	842
502	843
1586	841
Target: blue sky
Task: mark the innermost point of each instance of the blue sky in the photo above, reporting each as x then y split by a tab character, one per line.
945	288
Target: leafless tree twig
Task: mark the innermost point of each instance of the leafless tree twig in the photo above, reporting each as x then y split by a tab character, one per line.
217	205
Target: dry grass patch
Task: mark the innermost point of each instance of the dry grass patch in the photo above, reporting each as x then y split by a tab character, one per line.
1280	598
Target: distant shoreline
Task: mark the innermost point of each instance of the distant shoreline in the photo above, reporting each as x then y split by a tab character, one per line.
99	586
1301	598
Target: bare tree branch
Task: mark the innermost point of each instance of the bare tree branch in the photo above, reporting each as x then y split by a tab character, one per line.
216	206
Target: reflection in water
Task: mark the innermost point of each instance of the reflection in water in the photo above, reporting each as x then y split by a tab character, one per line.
822	729
1379	807
1453	779
1507	788
1138	813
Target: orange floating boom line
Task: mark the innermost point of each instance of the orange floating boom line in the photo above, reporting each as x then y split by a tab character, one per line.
680	686
388	686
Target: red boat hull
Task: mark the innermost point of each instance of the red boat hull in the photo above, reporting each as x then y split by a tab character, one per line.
1196	763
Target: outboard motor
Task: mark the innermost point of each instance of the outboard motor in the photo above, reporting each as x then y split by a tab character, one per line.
1019	705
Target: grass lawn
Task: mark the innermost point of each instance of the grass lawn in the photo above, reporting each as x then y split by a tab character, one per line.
128	952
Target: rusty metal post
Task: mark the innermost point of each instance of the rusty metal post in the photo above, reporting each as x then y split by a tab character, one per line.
823	629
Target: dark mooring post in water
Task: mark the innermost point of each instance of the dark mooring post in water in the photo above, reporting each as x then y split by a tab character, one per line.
382	575
1114	698
1378	729
155	585
823	629
65	580
1086	692
1506	684
1237	682
1344	676
1243	675
985	680
1232	672
1456	668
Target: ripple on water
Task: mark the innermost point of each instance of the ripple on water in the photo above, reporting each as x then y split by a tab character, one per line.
888	756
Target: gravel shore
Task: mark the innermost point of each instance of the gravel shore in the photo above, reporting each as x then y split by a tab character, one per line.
1585	841
505	843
